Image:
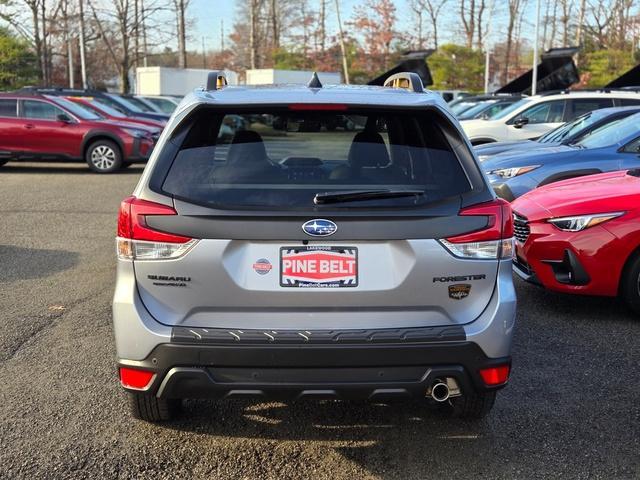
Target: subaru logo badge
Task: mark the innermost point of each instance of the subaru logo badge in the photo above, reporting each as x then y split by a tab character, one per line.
319	227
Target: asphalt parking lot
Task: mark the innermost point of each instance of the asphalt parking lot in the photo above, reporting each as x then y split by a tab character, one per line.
571	410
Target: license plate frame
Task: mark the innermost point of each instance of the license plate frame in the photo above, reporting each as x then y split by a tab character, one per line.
344	254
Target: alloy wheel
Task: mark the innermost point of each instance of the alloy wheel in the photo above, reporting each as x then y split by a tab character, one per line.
103	157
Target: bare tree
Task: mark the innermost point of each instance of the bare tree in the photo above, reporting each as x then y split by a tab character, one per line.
116	22
322	23
343	50
480	36
275	22
514	13
180	7
433	8
11	13
567	6
418	7
254	11
468	18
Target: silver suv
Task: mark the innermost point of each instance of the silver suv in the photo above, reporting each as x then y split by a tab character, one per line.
296	242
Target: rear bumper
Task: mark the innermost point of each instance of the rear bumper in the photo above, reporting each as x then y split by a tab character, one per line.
352	371
366	364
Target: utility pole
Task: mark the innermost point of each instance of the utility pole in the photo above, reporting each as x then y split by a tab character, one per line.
534	79
204	55
222	34
83	64
144	34
68	40
345	67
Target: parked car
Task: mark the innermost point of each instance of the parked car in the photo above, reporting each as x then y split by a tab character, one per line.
612	147
463	105
566	134
366	264
113	100
451	95
165	104
487	109
581	236
42	127
112	114
532	117
141	104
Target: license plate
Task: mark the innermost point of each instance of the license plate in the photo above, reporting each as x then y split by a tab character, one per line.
318	267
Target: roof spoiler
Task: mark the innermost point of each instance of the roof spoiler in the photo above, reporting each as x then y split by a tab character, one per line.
216	80
408	80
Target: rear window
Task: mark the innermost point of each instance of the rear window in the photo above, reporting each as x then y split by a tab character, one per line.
289	159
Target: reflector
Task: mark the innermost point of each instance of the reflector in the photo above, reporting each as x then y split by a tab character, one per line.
136	379
495	375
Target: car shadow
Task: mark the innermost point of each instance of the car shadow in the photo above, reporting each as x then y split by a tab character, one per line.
386	439
62	168
18	263
580	307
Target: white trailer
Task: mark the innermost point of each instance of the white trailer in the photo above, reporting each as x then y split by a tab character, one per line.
268	76
174	81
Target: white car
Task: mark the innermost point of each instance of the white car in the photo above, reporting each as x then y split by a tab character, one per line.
534	116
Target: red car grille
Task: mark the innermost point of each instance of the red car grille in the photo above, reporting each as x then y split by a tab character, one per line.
520	228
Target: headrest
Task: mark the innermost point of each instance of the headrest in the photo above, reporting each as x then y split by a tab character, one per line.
247	147
368	150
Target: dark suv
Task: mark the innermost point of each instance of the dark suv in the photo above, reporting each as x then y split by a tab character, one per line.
41	127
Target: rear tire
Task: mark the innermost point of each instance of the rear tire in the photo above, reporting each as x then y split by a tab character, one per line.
472	407
152	409
630	287
104	156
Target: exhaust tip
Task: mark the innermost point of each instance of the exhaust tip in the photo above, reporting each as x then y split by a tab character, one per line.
440	392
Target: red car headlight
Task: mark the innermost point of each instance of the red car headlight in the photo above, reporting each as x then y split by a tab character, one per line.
582	222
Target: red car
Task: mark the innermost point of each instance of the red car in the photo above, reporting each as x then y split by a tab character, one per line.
111	113
42	127
582	236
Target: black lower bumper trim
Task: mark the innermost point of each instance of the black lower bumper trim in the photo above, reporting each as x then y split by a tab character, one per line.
352	371
569	270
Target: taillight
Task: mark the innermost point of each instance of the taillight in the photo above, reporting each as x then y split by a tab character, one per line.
495	376
135	378
136	240
332	107
495	241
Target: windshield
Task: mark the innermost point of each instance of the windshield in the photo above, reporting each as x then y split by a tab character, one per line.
78	110
476	109
140	104
510	109
568	129
462	106
287	159
108	110
612	133
122	101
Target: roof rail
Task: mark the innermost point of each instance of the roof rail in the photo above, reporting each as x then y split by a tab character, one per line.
216	80
407	80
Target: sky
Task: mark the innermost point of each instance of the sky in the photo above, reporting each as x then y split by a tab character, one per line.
207	15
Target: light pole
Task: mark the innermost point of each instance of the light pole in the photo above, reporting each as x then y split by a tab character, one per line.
487	53
534	79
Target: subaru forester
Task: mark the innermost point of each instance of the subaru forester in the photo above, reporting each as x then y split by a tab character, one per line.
327	242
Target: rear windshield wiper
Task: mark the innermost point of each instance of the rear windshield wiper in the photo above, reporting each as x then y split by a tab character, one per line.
358	195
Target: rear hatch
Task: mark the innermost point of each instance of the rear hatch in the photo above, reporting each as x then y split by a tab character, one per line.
309	218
